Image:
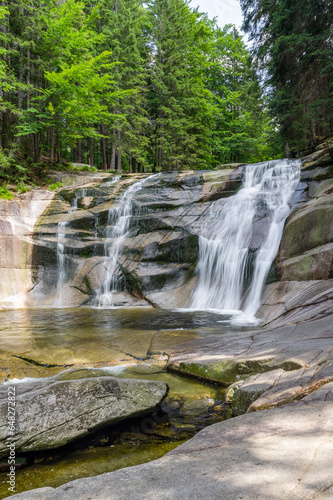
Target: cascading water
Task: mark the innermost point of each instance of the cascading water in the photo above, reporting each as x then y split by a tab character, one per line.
224	247
118	225
61	251
61	261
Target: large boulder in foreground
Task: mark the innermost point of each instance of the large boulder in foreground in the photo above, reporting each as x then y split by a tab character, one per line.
52	413
282	453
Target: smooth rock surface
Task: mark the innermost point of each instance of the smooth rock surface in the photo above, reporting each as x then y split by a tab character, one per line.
300	357
17	219
306	248
51	412
285	453
157	259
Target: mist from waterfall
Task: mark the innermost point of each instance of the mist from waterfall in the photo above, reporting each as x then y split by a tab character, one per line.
230	277
118	225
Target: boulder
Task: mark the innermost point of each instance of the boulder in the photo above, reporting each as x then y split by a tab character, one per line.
282	453
306	248
51	412
268	367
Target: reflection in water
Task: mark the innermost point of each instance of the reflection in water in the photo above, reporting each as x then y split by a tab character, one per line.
45	342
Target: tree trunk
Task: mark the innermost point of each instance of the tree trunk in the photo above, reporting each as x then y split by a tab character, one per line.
79	155
105	166
58	152
36	142
91	151
52	145
113	152
19	93
119	150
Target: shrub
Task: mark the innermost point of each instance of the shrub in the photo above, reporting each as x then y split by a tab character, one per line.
5	193
55	185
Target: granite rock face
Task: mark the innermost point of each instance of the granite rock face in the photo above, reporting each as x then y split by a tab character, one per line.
282	453
17	219
53	412
18	246
306	249
157	259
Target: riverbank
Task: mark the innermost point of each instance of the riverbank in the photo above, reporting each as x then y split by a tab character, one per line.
285	370
282	452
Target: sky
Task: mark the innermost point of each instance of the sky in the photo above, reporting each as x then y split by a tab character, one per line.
226	11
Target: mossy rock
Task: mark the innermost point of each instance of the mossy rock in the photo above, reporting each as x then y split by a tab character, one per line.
308	227
225	371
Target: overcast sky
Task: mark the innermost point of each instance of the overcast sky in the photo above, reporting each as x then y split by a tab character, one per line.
226	11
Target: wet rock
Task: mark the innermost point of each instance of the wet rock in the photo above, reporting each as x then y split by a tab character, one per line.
252	388
281	364
306	251
51	413
282	453
158	256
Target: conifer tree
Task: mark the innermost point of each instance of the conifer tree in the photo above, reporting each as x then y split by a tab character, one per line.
293	45
241	122
179	101
121	25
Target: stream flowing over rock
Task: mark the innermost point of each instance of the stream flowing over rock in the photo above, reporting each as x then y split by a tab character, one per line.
241	238
124	242
279	376
137	240
52	412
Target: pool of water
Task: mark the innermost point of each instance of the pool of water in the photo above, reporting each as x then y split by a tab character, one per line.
127	343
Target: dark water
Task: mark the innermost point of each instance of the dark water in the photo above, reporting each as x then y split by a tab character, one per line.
128	343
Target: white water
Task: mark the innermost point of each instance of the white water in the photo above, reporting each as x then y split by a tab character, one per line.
61	252
118	225
61	262
224	245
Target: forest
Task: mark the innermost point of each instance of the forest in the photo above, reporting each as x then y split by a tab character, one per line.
158	86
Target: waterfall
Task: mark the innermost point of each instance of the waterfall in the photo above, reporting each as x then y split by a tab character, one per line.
61	251
231	274
118	225
61	262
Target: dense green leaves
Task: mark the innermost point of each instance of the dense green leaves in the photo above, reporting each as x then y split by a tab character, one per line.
125	85
294	47
241	122
179	100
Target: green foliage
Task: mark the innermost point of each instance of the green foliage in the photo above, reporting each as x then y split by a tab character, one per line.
10	169
6	193
85	168
124	85
293	48
55	185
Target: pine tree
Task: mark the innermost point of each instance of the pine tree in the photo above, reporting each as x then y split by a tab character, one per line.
121	24
241	122
78	83
179	101
293	44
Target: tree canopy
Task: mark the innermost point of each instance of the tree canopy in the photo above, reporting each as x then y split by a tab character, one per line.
123	85
293	46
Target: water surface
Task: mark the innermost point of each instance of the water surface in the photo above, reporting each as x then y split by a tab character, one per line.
120	342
